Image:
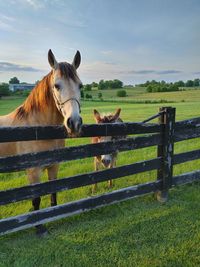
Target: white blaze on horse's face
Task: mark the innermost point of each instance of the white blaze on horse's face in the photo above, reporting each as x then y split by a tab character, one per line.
66	92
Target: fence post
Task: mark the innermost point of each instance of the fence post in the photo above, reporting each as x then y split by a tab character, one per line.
166	151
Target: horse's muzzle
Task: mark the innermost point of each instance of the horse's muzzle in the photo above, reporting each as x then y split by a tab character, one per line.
74	126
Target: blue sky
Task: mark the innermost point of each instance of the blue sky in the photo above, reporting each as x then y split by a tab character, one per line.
132	40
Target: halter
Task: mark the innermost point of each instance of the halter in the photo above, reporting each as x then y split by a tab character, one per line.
61	104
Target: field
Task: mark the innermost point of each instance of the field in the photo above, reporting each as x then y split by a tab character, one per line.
138	232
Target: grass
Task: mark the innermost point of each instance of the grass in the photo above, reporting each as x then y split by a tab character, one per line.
138	232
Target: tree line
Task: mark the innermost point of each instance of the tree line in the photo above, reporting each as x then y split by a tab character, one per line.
154	86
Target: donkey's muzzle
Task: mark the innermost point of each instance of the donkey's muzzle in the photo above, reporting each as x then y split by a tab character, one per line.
74	125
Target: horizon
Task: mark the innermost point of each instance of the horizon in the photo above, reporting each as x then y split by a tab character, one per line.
130	41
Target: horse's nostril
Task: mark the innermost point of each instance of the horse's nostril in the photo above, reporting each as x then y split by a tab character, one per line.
80	121
70	123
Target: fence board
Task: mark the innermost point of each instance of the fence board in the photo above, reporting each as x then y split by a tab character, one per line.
32	191
186	156
45	158
186	178
28	220
10	134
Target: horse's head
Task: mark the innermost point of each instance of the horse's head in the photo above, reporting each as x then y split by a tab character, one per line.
66	87
111	118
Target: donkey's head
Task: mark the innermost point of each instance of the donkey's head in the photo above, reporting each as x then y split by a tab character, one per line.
66	87
111	118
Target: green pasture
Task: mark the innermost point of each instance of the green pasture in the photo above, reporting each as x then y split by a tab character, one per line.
138	232
138	94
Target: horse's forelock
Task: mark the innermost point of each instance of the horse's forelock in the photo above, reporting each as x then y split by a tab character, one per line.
67	71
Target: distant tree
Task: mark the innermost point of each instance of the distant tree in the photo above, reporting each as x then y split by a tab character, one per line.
101	85
82	94
87	87
189	83
196	82
180	83
88	96
94	84
99	95
14	80
121	93
4	89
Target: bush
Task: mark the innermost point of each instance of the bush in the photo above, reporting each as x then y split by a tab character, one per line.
121	93
88	96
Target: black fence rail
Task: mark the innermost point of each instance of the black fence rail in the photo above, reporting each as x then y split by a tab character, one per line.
163	135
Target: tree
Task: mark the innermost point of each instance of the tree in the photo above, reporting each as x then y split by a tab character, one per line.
101	85
88	87
14	80
189	83
100	95
4	89
196	82
94	84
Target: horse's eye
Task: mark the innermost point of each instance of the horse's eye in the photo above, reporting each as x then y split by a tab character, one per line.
57	86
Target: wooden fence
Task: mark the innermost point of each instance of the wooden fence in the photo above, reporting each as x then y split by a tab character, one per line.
163	135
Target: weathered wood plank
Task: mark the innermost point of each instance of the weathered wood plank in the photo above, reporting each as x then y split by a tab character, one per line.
33	191
10	134
28	220
189	122
186	178
186	134
186	156
166	150
45	158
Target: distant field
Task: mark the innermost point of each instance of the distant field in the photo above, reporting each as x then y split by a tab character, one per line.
139	94
139	232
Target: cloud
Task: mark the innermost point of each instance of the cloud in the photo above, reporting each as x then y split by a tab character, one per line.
9	67
106	52
146	72
196	73
169	72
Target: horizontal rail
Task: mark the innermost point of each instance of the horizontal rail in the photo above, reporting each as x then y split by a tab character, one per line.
46	158
185	178
11	134
28	220
36	190
189	122
186	134
186	156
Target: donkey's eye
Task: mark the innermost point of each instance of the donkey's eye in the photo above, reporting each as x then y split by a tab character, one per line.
57	86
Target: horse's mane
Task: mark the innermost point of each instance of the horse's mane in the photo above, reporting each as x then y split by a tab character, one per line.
41	96
38	99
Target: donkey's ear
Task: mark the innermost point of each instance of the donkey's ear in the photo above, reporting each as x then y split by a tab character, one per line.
97	116
77	60
52	61
117	113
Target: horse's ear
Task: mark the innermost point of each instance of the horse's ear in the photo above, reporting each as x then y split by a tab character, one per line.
117	113
77	60
97	116
52	61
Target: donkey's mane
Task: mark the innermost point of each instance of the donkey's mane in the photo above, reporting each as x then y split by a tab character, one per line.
108	118
41	96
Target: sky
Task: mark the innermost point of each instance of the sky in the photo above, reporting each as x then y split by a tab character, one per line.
130	40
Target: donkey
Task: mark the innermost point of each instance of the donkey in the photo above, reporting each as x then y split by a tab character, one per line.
106	161
55	100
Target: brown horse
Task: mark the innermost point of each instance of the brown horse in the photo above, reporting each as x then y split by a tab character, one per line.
107	161
55	100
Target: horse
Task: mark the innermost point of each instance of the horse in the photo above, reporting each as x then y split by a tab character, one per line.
106	161
55	100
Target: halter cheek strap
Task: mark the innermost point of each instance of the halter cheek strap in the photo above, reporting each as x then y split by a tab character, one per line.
61	104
